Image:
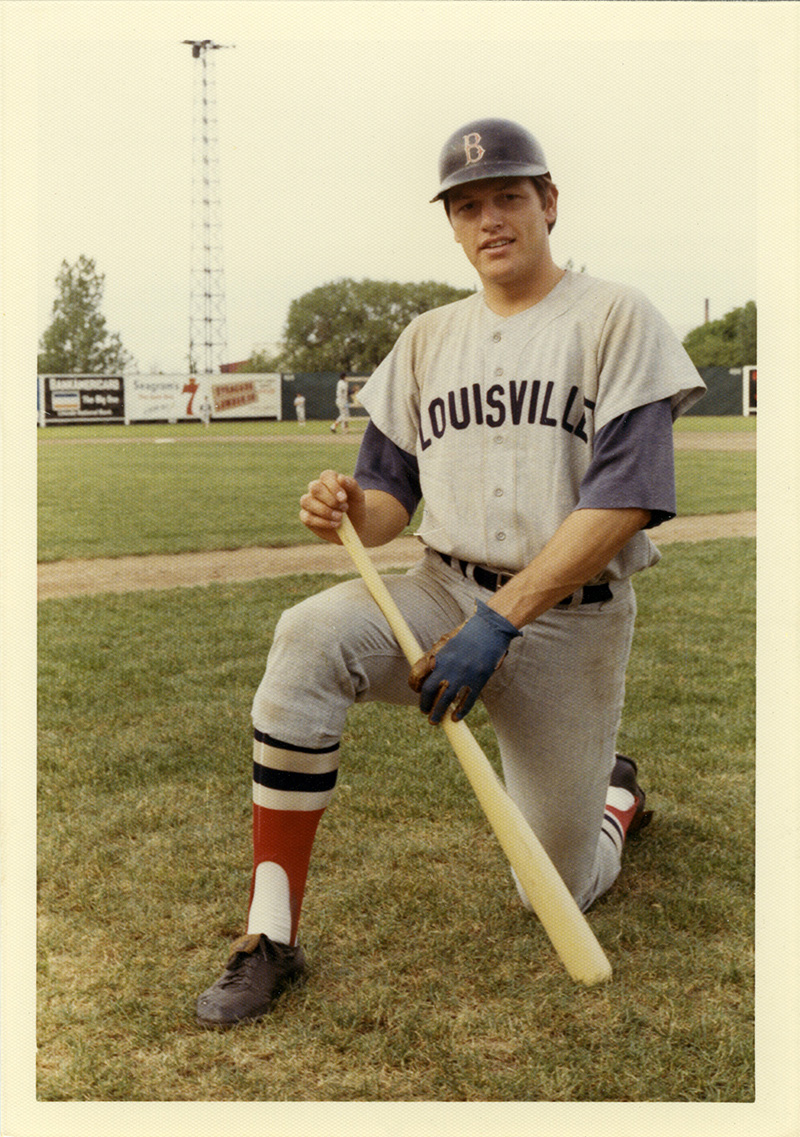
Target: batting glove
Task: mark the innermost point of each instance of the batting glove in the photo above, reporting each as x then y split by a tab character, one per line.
458	666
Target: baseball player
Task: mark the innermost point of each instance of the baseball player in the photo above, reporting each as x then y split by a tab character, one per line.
342	405
205	410
535	420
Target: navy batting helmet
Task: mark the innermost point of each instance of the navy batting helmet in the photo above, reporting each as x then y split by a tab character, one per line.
489	148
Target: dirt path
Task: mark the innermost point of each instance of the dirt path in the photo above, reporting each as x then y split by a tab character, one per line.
700	440
140	573
133	574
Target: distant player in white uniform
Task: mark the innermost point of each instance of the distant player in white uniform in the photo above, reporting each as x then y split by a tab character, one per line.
535	420
342	405
205	410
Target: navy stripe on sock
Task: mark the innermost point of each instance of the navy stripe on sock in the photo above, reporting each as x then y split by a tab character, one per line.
268	740
611	819
292	781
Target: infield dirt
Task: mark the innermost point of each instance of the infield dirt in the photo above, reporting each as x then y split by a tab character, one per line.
66	578
132	574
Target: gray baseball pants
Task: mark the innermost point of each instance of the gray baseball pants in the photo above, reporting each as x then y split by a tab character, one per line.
555	703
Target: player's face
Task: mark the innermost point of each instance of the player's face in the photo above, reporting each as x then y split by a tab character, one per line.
502	225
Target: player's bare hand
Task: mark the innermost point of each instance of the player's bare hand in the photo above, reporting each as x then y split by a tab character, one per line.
327	499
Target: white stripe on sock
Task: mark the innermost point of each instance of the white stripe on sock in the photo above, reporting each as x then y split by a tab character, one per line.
309	761
289	799
619	798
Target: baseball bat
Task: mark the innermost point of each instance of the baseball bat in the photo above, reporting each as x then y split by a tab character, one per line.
553	903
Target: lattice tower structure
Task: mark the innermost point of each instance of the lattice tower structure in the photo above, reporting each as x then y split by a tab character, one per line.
207	306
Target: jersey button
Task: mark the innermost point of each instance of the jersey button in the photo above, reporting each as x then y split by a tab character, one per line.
497	337
498	371
498	492
500	536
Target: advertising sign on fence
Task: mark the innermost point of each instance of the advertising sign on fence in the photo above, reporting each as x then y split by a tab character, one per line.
178	398
248	396
156	398
230	396
81	398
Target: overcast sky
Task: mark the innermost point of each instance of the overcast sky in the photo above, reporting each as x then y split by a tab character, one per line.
331	118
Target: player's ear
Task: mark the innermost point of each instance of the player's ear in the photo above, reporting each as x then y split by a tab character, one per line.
551	204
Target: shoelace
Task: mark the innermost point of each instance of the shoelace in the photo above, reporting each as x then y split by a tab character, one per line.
236	972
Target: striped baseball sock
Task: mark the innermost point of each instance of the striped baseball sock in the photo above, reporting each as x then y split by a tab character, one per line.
291	789
619	810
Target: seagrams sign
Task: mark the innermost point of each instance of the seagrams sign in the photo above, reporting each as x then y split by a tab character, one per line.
180	397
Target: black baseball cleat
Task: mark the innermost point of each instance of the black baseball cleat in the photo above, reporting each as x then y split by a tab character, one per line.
256	973
624	776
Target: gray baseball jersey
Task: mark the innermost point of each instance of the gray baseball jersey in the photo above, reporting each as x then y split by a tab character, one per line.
501	413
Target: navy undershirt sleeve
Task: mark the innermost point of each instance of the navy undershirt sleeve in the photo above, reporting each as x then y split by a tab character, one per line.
381	465
633	465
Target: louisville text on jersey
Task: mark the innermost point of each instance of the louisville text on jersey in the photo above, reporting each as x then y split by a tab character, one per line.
519	403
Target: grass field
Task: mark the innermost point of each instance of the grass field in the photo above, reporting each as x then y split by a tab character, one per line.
429	981
128	497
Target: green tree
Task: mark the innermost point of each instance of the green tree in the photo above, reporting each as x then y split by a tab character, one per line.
77	341
350	325
729	342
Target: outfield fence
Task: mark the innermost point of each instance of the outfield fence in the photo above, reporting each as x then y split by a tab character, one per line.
173	398
129	398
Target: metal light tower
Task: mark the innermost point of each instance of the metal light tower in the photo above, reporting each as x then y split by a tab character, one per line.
207	321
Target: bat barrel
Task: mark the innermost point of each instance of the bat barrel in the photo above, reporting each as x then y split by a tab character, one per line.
551	900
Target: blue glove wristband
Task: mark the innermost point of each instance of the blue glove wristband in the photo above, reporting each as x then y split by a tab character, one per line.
466	663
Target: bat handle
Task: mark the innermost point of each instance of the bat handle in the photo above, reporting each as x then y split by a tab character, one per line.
374	582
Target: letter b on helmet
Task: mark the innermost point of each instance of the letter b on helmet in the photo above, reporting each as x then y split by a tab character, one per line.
473	148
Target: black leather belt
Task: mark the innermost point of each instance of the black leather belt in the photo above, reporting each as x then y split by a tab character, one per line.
590	593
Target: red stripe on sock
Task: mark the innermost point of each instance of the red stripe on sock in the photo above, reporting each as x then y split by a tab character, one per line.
623	816
285	838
